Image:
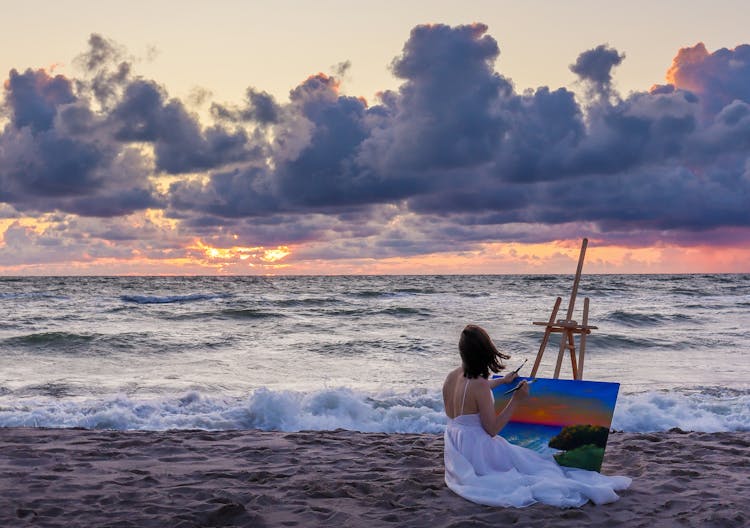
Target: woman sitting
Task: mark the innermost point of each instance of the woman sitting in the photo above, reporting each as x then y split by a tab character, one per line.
485	468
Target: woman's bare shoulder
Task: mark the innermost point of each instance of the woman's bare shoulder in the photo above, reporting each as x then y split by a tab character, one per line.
481	382
453	375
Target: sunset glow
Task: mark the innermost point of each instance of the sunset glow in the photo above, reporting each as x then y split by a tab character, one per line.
250	256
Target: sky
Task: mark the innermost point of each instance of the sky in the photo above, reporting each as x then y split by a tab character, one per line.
338	137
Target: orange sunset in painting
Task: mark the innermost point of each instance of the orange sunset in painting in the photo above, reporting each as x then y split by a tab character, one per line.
564	402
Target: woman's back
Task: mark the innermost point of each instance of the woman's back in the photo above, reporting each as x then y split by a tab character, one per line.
459	394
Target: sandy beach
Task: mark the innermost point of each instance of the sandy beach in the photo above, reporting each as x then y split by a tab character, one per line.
74	477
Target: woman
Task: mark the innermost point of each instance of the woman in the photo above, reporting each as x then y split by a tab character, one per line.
485	468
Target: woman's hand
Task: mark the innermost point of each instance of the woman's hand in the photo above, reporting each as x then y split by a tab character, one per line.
493	422
522	393
510	376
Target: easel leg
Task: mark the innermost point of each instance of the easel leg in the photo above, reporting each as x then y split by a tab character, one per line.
563	346
583	337
546	337
572	349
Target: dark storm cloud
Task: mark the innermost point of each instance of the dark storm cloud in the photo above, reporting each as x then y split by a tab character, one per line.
75	144
447	113
259	107
313	161
660	198
545	129
595	66
144	114
53	157
334	151
109	71
33	98
324	172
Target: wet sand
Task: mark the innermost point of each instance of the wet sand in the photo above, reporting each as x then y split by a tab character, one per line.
73	477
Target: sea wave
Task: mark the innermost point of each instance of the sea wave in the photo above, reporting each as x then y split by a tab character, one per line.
41	339
391	293
304	302
17	296
394	311
418	411
416	291
265	409
606	342
167	299
611	341
76	342
709	410
634	320
133	345
227	313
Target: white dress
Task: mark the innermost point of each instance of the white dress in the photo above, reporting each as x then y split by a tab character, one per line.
490	470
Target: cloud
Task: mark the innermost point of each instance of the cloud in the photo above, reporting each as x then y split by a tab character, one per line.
452	158
312	164
595	66
106	65
33	98
144	114
52	156
95	145
68	242
718	78
332	151
446	114
456	138
260	107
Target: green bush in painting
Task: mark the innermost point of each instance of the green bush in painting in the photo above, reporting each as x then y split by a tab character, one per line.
585	457
574	436
583	446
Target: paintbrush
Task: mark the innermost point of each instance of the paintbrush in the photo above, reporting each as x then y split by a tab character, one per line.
520	366
514	389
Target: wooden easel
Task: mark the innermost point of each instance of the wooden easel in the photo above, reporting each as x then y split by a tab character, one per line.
568	327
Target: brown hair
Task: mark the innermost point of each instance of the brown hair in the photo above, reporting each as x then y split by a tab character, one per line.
478	353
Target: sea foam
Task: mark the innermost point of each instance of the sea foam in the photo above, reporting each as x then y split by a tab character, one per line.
415	412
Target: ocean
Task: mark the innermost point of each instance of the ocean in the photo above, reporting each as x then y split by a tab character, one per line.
366	353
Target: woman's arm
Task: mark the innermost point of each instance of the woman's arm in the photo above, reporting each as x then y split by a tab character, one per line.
508	378
494	423
446	400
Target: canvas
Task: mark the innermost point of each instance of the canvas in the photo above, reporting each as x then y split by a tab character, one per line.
567	418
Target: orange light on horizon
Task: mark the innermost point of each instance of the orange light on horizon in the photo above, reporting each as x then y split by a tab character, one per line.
273	255
251	255
25	237
560	410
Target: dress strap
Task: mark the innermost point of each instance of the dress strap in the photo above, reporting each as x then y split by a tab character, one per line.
464	399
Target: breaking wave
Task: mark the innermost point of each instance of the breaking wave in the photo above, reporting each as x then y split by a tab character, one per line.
418	411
